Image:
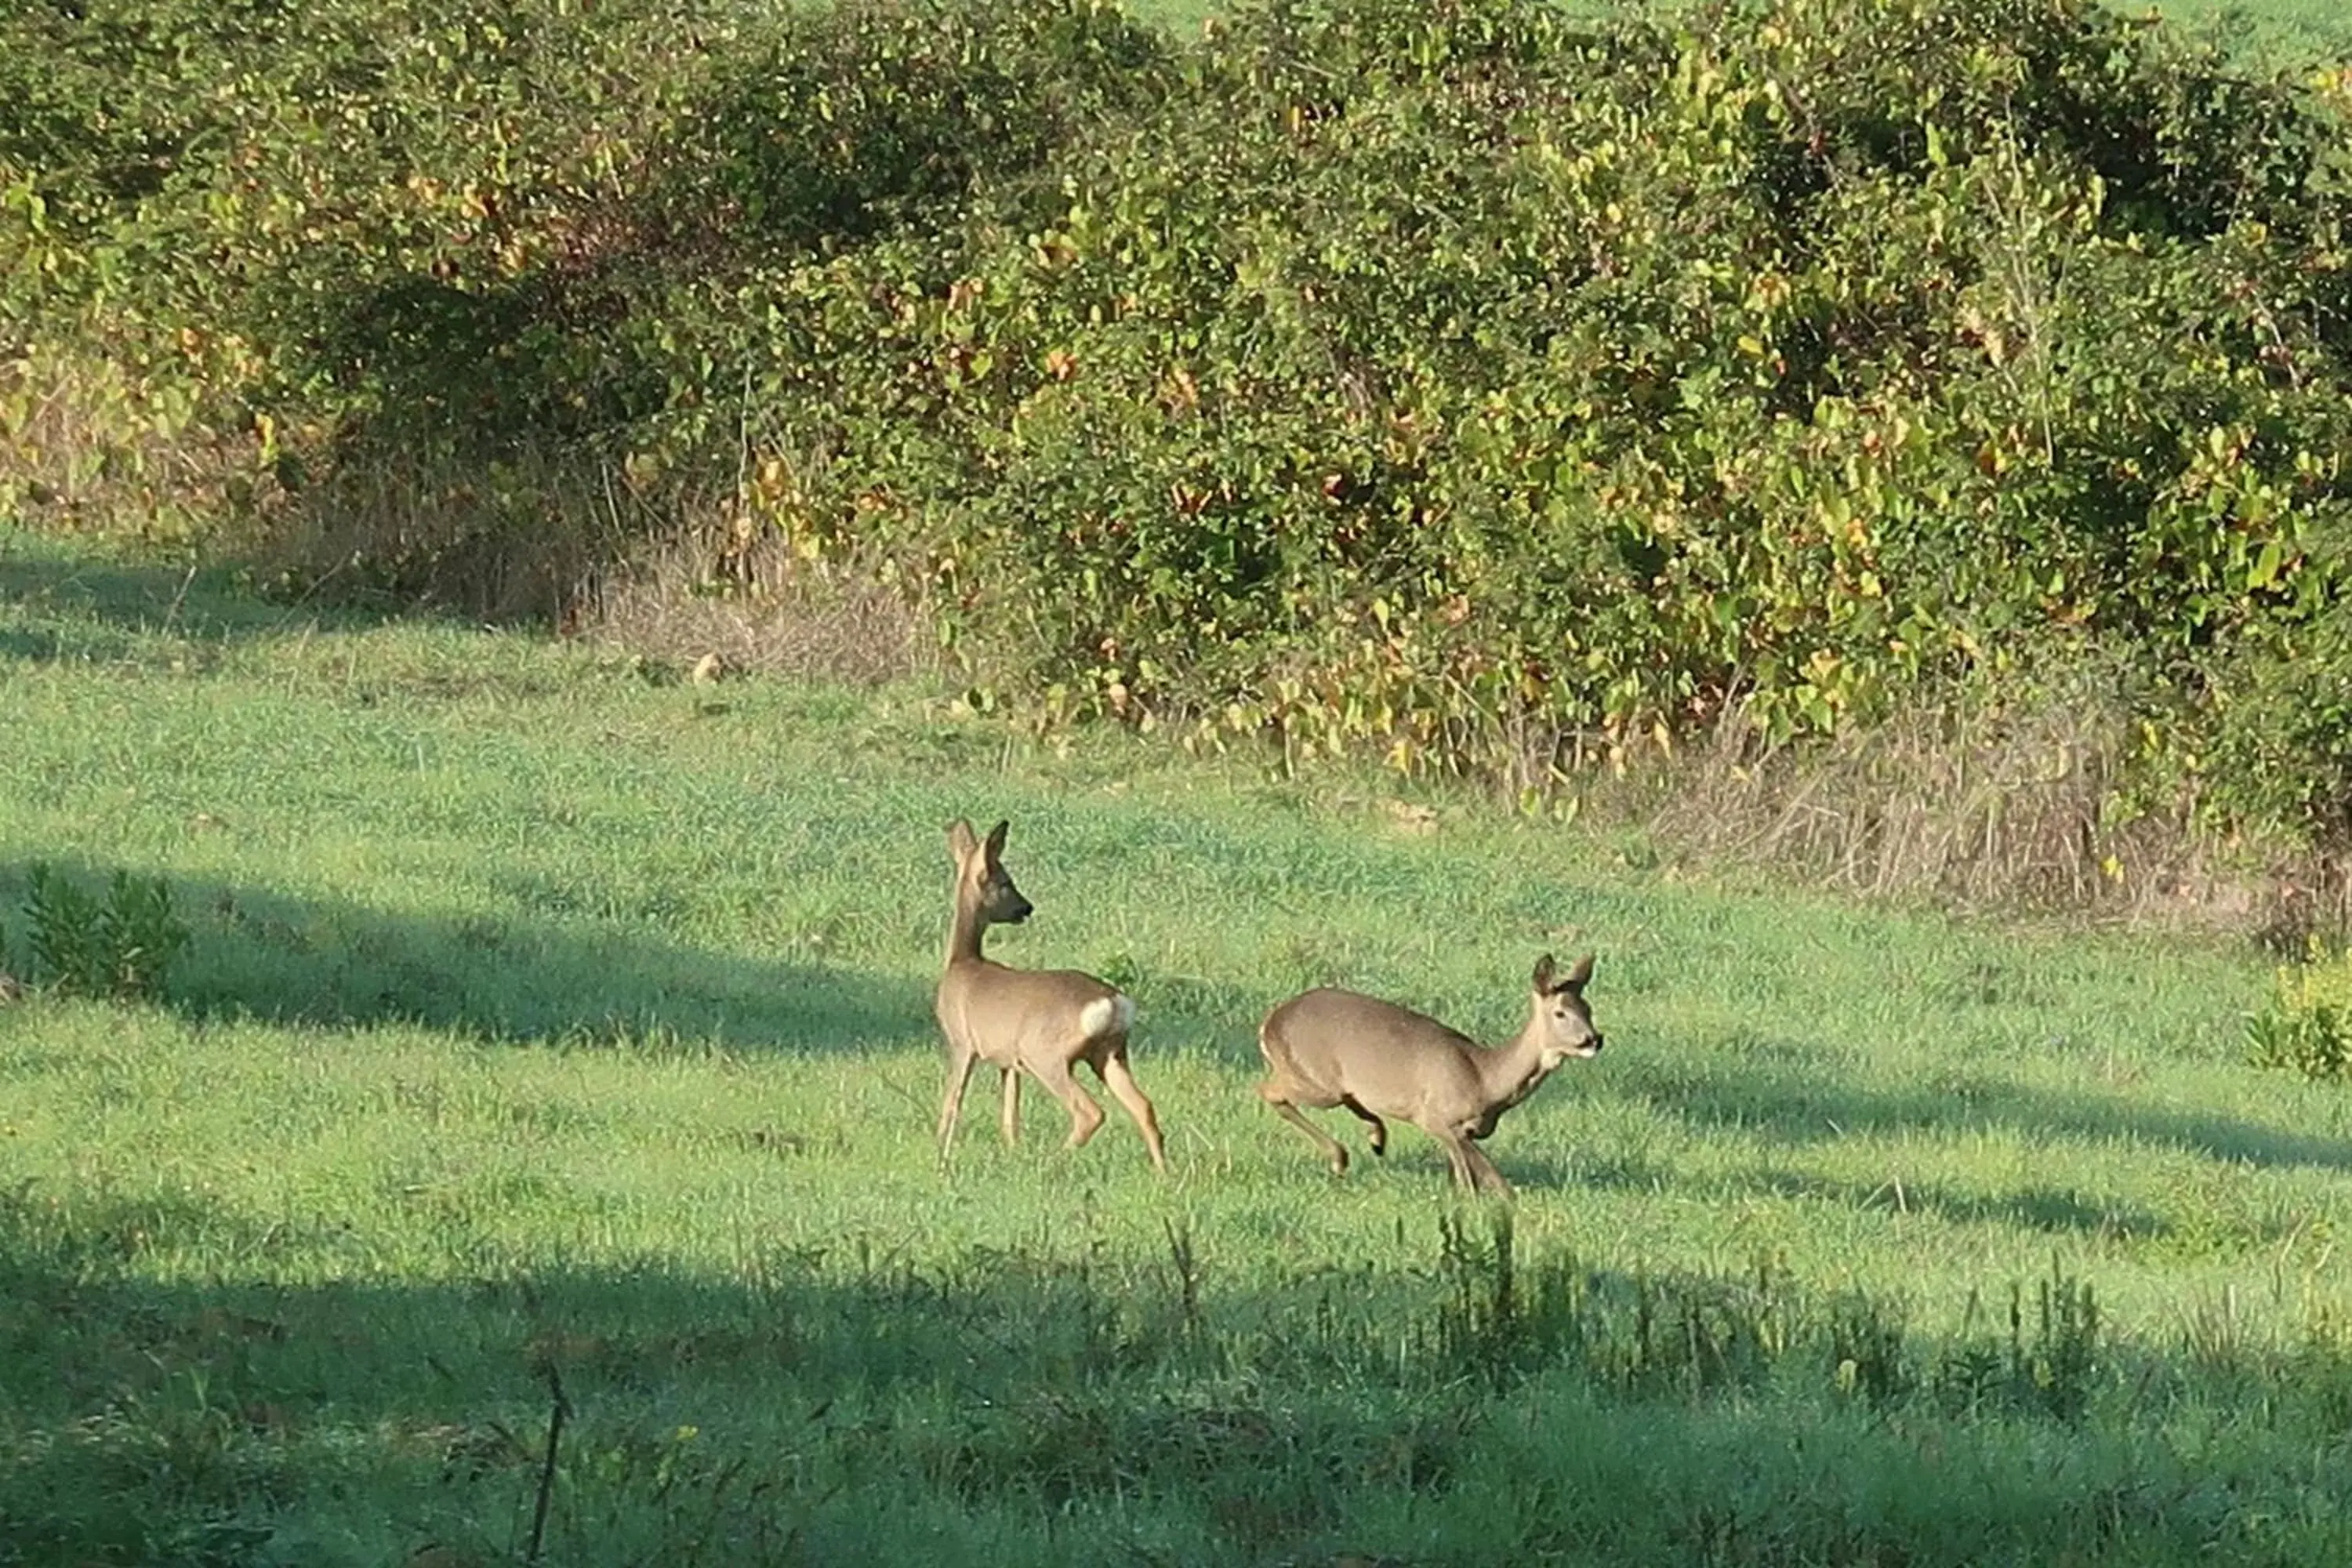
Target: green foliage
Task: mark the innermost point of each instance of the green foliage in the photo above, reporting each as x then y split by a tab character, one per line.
2281	718
1485	378
2316	1041
1694	1336
1466	381
2307	1026
123	945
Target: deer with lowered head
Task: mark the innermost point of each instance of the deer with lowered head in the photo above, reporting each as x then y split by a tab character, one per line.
1044	1022
1331	1047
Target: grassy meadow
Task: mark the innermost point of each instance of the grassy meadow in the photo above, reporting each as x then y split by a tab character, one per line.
555	1028
2295	29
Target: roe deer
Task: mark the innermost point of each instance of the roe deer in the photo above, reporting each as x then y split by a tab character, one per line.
1334	1047
1042	1021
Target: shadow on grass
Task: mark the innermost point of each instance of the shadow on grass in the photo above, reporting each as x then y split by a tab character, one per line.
1009	1406
2051	1210
1806	1108
324	963
68	592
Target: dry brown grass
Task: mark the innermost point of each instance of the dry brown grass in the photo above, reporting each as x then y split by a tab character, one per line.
773	617
2010	814
511	541
564	544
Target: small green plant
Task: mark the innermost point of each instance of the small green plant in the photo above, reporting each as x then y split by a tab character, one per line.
1482	1328
2055	1370
123	945
2317	1043
1868	1349
2307	1027
2049	1365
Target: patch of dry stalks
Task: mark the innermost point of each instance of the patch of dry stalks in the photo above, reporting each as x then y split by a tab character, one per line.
562	544
768	616
507	543
2011	815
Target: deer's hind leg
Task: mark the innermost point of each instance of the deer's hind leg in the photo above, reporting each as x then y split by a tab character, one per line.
1085	1116
1356	1108
1110	1066
1279	1095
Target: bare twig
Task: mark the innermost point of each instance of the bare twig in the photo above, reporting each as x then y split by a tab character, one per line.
558	1409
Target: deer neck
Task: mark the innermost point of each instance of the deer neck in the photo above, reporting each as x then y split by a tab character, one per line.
1512	1069
964	933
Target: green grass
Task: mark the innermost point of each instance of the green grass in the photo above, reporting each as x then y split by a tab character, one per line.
546	1014
2293	31
2296	31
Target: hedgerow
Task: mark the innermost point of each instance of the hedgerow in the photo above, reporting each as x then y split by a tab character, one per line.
1449	377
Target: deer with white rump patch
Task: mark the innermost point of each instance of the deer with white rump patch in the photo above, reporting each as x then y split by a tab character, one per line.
1332	1048
1044	1022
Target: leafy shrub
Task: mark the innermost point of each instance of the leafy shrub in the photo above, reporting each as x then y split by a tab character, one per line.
2281	703
2307	1027
1456	380
1452	378
123	945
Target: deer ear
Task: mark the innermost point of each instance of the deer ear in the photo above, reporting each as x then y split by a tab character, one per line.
996	840
1577	973
960	842
1543	975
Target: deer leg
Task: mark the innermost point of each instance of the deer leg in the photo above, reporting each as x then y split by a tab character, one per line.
1472	1169
961	1060
1456	1167
1085	1116
1276	1095
1490	1180
1112	1069
1380	1128
1010	1118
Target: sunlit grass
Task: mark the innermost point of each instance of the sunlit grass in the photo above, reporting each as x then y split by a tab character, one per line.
2296	31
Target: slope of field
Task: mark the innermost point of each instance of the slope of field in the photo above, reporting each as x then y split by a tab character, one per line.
2294	29
555	1032
2312	25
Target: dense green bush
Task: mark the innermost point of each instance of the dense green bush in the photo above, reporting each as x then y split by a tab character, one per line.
1449	377
2307	1026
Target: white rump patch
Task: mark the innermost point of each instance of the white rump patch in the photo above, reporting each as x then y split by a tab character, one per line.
1106	1015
